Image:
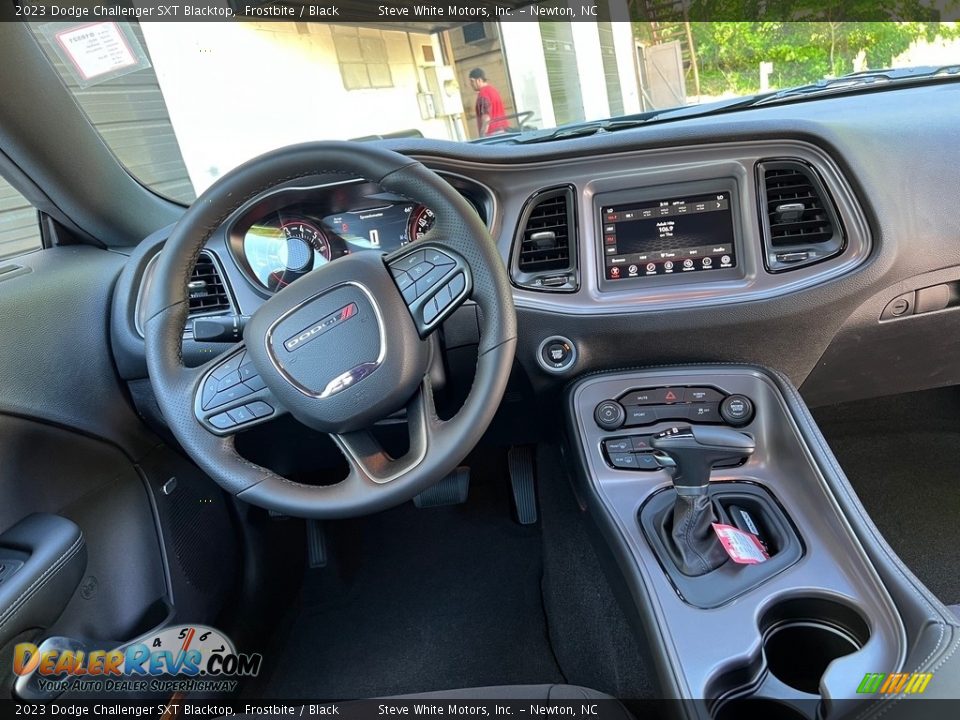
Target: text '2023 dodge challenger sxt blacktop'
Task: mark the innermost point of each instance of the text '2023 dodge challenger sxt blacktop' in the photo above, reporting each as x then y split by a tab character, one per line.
484	359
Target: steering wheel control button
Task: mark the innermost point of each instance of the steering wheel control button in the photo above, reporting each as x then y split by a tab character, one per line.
231	365
438	257
255	383
438	283
410	293
209	393
736	410
229	381
402	279
430	311
230	395
458	284
609	414
431	278
557	354
240	415
222	421
408	262
260	409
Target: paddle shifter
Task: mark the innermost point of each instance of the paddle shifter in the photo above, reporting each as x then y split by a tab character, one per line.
694	451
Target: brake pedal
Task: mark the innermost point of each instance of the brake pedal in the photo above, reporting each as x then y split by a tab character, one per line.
452	490
520	465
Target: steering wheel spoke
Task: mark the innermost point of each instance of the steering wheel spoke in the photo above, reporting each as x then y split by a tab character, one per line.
433	280
231	396
367	459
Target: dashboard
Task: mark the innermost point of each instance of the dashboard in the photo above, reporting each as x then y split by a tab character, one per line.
779	236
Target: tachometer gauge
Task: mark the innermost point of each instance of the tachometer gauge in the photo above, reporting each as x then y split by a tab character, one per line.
420	222
280	254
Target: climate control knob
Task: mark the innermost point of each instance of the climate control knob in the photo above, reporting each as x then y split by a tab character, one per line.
609	414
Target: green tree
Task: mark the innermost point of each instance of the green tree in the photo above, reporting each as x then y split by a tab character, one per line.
729	53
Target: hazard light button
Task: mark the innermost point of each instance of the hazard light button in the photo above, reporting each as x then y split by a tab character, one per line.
658	396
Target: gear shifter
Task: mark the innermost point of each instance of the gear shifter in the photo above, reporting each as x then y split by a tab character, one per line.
693	451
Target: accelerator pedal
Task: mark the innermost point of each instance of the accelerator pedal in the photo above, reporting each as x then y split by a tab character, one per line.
452	490
520	465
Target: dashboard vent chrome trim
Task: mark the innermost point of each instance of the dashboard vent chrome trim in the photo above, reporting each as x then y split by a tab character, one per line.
545	246
206	288
799	219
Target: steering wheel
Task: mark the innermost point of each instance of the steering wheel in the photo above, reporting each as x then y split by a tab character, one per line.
343	347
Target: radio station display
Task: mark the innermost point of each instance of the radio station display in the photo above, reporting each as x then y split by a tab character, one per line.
668	237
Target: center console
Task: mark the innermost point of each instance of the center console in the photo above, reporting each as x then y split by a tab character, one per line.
674	458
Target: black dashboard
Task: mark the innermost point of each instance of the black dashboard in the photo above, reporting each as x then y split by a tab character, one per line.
776	236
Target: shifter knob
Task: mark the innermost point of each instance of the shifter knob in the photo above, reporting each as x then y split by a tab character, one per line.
695	450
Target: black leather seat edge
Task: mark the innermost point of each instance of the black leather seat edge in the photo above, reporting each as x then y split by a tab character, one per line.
545	692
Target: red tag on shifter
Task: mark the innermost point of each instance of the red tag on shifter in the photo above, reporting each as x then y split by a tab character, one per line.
742	547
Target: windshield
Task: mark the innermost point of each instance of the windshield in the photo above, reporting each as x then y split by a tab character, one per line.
182	103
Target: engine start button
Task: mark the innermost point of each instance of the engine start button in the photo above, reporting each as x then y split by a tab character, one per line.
557	354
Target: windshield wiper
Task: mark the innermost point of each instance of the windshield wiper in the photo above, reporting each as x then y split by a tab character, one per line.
844	83
590	127
858	80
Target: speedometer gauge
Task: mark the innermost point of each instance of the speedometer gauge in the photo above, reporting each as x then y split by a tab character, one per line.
280	254
420	222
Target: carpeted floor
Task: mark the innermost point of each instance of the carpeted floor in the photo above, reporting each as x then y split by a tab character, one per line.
902	455
419	600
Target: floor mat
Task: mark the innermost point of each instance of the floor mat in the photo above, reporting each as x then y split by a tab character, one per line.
907	479
420	600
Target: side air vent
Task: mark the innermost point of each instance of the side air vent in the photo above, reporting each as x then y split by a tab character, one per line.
800	223
206	289
545	247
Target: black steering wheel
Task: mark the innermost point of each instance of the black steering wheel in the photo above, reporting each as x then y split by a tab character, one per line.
344	346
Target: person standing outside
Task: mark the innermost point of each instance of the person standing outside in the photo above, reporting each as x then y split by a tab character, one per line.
489	108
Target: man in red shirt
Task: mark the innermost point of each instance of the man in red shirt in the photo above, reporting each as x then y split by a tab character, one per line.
490	113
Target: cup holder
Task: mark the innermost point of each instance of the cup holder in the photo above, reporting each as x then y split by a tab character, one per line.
758	709
802	637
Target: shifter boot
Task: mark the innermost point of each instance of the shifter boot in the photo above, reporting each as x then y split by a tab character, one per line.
696	548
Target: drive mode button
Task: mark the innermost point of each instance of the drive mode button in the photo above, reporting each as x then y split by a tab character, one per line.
641	415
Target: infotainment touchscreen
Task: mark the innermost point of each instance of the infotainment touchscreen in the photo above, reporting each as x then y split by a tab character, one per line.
668	237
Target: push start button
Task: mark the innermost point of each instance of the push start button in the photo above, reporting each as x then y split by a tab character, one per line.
557	354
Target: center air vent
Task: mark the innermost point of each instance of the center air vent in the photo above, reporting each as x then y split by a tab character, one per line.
545	245
800	223
206	289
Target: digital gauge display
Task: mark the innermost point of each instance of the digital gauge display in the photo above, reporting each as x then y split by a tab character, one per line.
287	244
279	254
385	229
